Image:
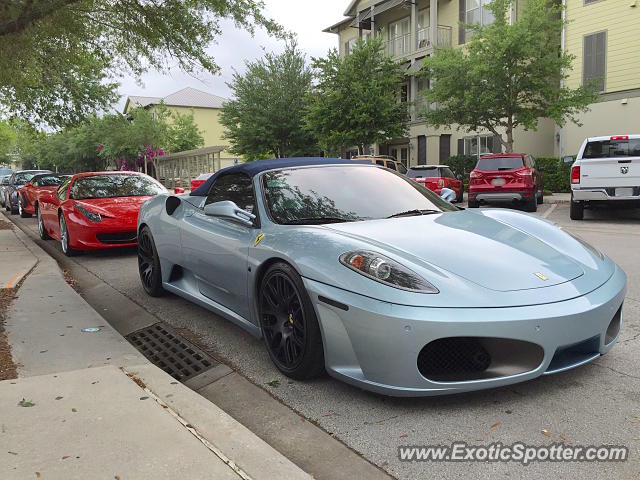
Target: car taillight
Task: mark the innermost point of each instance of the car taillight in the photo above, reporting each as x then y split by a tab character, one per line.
440	183
475	174
575	174
620	137
524	173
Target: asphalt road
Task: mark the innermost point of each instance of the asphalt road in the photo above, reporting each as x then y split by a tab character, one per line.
596	404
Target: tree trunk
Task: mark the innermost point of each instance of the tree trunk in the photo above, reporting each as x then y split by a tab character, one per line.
509	144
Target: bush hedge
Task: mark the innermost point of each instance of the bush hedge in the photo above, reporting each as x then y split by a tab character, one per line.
556	173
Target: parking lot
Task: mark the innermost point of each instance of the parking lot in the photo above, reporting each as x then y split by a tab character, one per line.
592	405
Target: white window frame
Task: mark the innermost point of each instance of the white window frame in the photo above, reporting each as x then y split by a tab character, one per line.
404	36
424	22
483	12
349	44
479	141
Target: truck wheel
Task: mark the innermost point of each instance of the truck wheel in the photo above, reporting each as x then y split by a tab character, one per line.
576	210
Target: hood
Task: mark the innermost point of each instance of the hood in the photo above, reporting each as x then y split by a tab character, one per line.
119	207
477	248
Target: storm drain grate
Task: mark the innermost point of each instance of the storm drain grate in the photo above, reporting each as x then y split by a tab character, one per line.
171	352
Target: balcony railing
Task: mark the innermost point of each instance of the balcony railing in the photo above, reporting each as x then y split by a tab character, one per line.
400	45
443	37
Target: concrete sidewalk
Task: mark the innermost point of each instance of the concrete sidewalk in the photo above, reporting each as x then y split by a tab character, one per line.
15	259
100	409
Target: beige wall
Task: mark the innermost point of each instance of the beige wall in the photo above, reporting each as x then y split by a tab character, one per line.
208	121
605	118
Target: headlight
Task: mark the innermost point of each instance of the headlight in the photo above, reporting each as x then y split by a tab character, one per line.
384	270
88	214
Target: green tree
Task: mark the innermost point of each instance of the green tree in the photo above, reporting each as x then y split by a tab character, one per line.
7	142
59	59
356	100
268	109
184	133
507	76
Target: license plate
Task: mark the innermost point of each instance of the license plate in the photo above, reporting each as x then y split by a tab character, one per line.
624	192
498	182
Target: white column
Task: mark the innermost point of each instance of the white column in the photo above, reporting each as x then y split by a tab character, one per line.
373	23
433	23
413	92
414	27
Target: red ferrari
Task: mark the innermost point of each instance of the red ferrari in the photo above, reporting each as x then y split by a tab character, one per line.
28	194
199	180
436	177
97	210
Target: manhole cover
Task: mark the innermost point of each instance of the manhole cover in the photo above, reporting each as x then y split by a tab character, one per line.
171	352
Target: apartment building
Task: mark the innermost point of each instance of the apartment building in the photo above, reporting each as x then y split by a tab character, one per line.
411	29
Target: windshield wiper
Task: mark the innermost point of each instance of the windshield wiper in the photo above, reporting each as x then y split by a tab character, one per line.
415	212
317	220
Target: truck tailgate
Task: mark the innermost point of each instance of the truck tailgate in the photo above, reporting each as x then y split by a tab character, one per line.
610	172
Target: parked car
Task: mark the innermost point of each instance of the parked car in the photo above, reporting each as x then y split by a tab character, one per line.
506	177
393	291
28	194
96	210
437	177
200	179
4	183
16	181
384	161
607	169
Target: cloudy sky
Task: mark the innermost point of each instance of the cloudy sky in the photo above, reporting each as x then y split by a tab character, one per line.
306	18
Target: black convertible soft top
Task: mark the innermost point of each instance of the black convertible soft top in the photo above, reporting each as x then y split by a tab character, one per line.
253	168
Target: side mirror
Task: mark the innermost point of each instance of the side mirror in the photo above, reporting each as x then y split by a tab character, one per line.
178	190
229	211
459	177
568	159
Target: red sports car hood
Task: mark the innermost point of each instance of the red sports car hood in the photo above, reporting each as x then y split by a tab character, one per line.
124	208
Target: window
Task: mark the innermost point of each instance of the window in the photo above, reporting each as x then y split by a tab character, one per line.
404	93
587	2
447	173
423	28
331	194
114	186
62	190
236	187
423	87
477	13
499	163
399	37
349	45
594	50
612	148
478	145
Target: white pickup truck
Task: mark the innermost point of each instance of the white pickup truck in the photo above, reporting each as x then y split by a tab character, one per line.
606	169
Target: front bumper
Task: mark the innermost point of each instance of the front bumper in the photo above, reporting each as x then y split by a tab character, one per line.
375	345
109	233
603	194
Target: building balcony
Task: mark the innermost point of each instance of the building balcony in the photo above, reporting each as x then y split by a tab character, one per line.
399	46
404	45
443	37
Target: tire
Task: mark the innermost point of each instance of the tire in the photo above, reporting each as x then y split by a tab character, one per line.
64	238
473	204
460	197
289	324
541	197
41	230
576	210
21	211
149	264
531	205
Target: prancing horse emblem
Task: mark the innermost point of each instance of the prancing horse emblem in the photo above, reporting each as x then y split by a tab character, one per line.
541	276
624	170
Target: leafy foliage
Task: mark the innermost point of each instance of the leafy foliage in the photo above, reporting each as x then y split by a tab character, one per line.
507	76
115	141
356	100
266	117
59	59
556	174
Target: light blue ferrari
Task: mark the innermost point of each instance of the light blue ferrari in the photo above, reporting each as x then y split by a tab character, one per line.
351	268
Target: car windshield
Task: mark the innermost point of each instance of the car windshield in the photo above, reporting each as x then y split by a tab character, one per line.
24	177
50	180
499	163
110	186
204	176
333	194
424	173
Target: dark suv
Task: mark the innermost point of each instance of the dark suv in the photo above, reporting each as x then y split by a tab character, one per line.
506	177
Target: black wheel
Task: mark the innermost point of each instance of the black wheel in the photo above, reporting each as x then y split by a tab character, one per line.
473	204
289	324
41	230
21	211
531	205
541	197
149	264
576	210
64	238
460	197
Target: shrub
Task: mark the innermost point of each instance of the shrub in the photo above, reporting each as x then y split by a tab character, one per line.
556	174
462	165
